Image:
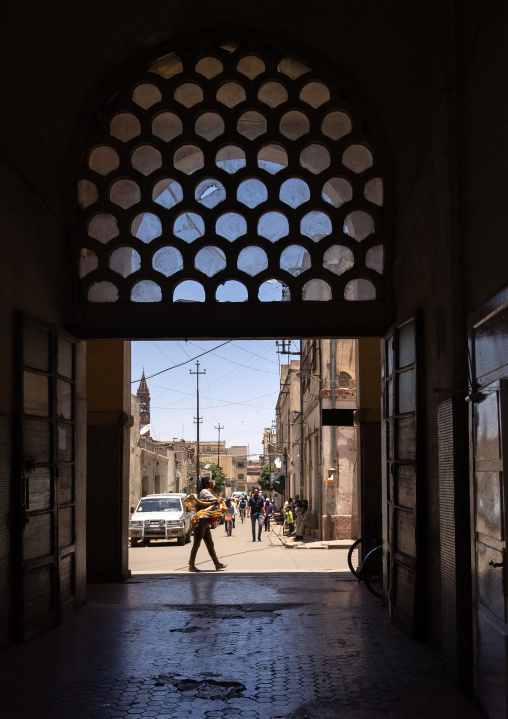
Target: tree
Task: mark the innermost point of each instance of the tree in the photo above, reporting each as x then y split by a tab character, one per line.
217	473
265	478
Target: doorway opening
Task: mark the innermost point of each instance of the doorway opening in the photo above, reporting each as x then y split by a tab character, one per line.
253	414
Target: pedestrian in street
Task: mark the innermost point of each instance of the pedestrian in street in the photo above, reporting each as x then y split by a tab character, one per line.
208	507
289	521
242	506
268	514
232	510
304	521
256	512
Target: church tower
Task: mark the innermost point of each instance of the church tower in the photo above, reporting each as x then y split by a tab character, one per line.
144	396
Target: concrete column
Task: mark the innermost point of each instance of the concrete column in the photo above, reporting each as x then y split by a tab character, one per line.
109	421
367	489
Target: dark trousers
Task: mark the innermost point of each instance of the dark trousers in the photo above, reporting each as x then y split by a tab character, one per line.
202	532
267	522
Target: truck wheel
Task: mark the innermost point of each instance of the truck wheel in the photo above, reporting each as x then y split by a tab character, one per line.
134	542
188	536
180	541
146	541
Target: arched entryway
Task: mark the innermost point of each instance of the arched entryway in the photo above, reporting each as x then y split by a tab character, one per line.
236	179
225	191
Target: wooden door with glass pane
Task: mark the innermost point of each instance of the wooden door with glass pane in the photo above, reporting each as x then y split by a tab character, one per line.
45	539
401	467
490	417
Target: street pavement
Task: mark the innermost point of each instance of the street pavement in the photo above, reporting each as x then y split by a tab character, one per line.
281	634
240	553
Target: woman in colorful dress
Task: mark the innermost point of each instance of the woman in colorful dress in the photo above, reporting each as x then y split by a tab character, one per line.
208	507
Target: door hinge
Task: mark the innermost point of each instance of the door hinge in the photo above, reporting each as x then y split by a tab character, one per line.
501	564
28	464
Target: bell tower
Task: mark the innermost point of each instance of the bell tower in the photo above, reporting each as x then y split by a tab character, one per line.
144	395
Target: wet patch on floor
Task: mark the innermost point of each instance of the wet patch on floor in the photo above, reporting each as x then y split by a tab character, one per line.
213	655
210	689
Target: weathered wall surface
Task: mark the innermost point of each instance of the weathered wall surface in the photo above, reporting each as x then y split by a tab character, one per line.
34	279
482	58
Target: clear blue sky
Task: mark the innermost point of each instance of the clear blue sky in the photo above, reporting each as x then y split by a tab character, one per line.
239	390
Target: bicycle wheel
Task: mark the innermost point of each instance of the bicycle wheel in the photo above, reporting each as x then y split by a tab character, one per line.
372	571
354	557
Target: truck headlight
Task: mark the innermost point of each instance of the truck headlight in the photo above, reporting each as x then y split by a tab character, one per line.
135	523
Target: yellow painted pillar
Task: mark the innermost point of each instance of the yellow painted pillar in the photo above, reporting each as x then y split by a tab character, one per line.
108	427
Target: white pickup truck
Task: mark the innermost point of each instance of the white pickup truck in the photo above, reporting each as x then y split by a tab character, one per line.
160	516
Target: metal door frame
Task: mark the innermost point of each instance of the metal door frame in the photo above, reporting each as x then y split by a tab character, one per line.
390	462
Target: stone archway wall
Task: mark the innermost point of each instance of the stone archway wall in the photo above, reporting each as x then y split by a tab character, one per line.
238	181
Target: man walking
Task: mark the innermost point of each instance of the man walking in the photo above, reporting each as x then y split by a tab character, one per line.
256	512
268	513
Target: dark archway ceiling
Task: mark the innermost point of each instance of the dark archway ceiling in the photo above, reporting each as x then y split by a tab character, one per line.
62	62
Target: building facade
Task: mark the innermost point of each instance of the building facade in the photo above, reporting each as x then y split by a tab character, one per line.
153	464
327	477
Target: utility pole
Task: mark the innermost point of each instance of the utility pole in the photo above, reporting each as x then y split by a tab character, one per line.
218	444
274	434
198	420
285	346
302	431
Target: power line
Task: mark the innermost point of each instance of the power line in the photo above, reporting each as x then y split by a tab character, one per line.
250	352
191	359
213	406
238	363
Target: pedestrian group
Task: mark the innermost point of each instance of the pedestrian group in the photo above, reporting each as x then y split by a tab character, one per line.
210	508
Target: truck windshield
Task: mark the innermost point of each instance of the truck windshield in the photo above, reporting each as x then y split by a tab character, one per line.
159	505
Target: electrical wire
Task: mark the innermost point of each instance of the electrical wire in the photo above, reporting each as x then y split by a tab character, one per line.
214	406
191	359
227	359
162	353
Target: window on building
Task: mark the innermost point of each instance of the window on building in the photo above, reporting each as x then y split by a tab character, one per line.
344	380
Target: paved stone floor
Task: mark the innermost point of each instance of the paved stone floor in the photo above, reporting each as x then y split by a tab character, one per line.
227	646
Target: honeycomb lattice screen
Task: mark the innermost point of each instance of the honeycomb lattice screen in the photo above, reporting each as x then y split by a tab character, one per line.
230	176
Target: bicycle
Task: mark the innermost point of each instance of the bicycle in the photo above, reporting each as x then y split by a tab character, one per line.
228	519
365	558
242	515
371	571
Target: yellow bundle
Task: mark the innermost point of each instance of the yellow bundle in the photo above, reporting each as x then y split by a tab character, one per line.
205	509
